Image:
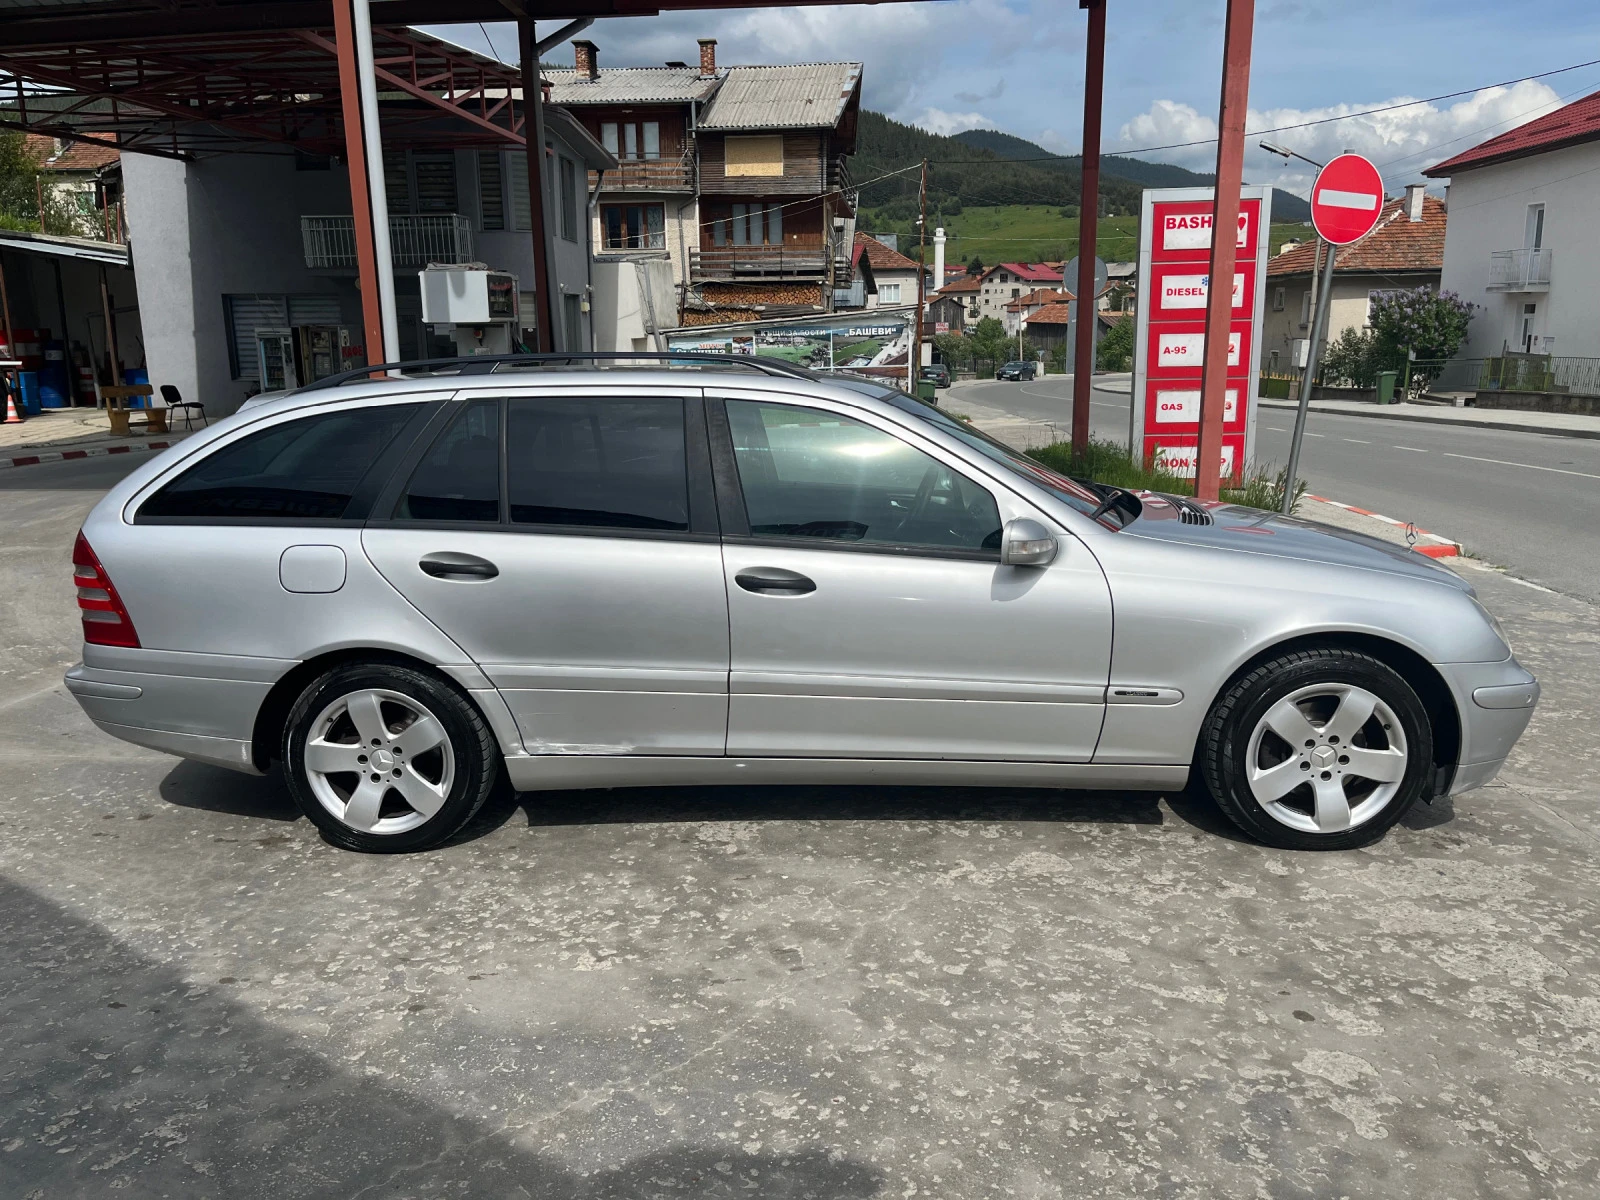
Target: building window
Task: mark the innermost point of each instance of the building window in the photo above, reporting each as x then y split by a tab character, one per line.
1277	299
634	226
1305	309
756	225
569	199
753	156
1533	236
888	293
491	190
640	140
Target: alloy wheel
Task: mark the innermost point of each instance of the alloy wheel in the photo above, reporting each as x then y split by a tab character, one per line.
1326	758
379	761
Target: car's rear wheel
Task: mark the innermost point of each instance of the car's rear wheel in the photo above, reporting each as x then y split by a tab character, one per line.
386	758
1320	749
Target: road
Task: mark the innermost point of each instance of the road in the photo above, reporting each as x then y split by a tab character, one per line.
779	992
1529	502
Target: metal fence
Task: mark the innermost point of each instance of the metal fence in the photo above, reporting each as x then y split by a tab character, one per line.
1515	373
414	241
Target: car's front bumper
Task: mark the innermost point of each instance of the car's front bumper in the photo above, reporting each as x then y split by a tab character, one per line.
1495	702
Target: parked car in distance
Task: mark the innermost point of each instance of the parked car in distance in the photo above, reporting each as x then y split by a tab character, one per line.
409	588
937	374
1018	371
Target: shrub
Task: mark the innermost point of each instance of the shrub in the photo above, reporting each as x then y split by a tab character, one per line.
1115	352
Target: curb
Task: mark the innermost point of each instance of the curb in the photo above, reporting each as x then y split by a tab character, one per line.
1291	405
1439	547
44	456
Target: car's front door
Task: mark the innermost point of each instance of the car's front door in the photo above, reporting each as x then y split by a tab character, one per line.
567	541
869	613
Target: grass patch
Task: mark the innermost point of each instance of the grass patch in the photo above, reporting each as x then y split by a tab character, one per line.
1110	462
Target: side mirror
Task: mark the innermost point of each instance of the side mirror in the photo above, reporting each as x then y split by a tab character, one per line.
1026	543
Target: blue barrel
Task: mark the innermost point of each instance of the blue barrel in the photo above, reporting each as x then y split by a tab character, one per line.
55	381
133	376
30	393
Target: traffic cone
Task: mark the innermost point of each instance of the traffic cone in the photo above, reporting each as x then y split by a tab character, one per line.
13	417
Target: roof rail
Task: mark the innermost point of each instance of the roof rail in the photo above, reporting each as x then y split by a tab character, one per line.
485	364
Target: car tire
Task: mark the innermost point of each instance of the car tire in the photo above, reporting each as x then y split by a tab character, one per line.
1317	749
385	758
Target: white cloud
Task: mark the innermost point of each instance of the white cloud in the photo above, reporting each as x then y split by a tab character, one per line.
1401	141
936	120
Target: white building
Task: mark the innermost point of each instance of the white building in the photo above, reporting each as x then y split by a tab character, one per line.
1521	241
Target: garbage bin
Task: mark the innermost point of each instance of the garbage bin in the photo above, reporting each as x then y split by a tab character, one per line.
926	390
1386	381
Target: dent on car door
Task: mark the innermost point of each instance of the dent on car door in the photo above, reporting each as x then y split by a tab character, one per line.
870	614
567	543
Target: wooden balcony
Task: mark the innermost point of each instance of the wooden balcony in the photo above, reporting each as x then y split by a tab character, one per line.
760	262
649	175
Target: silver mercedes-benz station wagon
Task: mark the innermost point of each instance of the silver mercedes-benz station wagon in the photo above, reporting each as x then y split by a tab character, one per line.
742	573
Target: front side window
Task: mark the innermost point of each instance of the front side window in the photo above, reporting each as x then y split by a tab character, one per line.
611	464
301	470
817	477
459	477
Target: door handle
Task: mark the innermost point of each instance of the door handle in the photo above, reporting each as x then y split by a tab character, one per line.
448	564
774	579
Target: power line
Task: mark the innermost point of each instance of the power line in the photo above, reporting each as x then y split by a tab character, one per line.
1285	128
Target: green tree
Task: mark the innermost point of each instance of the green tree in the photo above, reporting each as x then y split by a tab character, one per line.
21	185
953	350
1354	359
1431	324
975	267
991	343
1115	352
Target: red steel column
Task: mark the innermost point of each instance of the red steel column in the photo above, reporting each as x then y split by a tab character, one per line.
1224	243
357	167
1094	74
533	129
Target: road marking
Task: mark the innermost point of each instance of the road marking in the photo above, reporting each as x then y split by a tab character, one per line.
1358	441
1413	449
1529	466
1277	429
1310	434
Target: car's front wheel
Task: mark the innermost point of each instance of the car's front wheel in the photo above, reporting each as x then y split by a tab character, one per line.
1318	749
386	758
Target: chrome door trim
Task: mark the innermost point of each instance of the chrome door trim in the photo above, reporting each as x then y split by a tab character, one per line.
799	683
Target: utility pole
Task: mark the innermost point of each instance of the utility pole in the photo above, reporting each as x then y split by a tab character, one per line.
1236	43
533	132
914	367
1094	74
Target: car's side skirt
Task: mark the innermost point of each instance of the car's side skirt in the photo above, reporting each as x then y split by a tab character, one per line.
546	772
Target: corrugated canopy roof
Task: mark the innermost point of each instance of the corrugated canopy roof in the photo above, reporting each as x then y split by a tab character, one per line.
629	85
804	96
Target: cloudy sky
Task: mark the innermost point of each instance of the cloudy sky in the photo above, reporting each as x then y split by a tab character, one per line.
1017	65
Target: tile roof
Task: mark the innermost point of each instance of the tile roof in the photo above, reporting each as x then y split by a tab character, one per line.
630	85
73	156
1050	314
1039	297
970	283
1032	272
1395	245
882	258
1577	122
803	96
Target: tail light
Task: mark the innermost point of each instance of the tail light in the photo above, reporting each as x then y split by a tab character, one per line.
105	621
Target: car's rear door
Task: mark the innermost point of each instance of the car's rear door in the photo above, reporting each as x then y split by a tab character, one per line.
567	540
870	615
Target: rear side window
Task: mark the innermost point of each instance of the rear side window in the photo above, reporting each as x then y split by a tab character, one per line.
609	464
302	470
459	477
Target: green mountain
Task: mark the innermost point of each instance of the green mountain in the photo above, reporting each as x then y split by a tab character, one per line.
1285	206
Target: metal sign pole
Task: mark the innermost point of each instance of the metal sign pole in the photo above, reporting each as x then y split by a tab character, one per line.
1319	324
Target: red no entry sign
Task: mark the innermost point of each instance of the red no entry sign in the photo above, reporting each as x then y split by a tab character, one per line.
1347	199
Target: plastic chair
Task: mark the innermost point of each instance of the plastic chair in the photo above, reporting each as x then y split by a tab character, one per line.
169	393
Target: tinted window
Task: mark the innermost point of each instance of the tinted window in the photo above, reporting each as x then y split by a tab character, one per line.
459	478
615	464
300	470
814	475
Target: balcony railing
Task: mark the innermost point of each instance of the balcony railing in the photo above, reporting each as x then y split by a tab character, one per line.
1519	271
650	175
414	241
741	262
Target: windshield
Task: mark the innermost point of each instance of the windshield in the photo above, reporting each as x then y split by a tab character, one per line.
1018	463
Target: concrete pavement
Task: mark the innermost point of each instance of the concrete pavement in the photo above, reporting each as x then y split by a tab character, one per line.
1529	502
781	992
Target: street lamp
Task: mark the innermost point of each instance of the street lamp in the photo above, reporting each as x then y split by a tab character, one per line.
1285	152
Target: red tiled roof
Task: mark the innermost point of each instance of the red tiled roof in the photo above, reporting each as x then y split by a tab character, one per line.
1395	245
1031	272
968	284
1576	122
1039	297
1050	314
882	258
73	156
